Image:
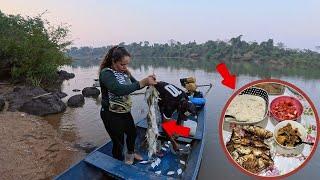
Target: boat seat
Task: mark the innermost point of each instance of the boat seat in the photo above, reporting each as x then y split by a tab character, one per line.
118	168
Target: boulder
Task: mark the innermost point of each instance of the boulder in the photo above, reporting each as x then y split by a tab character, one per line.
21	95
91	92
64	75
34	100
76	101
57	91
2	103
43	105
60	94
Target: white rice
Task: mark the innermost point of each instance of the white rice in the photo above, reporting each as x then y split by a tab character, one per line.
247	108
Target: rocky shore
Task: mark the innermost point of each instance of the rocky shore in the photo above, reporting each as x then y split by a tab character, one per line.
30	148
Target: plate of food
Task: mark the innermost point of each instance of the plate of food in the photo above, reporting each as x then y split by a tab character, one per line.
272	88
286	108
290	134
248	148
248	107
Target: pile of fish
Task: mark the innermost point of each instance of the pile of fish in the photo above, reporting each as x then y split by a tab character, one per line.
248	149
153	117
154	145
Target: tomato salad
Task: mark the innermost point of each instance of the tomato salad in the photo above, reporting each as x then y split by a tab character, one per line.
286	108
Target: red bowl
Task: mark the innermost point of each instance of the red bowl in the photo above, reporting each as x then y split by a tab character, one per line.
286	108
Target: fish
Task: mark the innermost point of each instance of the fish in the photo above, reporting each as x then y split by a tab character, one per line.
260	144
235	155
258	131
257	152
244	149
249	150
144	162
153	117
245	158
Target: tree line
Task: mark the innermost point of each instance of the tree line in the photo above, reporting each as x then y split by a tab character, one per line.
236	50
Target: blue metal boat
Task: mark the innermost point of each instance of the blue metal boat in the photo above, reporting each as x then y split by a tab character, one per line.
100	164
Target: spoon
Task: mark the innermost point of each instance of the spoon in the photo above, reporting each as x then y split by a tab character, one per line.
302	142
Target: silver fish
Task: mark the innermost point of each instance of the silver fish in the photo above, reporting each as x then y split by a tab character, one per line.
144	162
164	149
153	117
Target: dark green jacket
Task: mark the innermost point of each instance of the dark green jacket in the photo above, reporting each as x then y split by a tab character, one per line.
109	83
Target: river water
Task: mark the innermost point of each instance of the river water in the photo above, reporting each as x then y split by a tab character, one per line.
84	124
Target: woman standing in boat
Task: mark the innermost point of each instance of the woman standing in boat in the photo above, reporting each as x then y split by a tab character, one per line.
116	84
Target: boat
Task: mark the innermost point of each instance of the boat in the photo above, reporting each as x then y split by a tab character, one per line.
100	164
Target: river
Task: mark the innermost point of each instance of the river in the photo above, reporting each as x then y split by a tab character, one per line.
84	124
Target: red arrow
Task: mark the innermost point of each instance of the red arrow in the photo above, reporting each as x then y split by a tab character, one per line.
171	127
228	80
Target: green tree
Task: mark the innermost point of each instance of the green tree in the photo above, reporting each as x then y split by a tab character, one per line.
33	47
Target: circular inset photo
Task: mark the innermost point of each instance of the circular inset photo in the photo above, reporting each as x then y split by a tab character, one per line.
268	128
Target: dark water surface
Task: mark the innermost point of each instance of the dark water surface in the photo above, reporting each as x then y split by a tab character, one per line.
84	124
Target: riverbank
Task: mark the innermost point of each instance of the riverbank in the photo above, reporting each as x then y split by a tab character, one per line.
30	148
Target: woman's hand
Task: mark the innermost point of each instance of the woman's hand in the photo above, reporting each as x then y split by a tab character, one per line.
127	72
148	81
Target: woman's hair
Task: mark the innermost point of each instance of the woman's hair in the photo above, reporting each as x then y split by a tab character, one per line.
115	54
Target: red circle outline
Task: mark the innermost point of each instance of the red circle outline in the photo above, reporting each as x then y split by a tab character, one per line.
221	128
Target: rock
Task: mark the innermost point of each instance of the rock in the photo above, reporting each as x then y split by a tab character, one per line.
61	94
23	99
65	75
86	146
57	92
44	105
21	95
91	92
76	101
2	103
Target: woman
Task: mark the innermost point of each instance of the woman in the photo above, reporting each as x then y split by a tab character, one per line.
116	84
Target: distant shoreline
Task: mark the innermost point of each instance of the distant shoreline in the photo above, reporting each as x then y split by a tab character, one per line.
254	68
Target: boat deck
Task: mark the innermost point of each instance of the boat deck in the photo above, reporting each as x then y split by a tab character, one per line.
100	164
169	162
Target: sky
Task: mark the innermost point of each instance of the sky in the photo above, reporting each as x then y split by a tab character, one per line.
105	22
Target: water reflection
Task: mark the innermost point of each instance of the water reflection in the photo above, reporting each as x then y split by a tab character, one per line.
251	67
